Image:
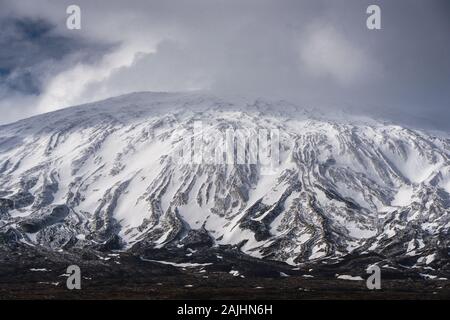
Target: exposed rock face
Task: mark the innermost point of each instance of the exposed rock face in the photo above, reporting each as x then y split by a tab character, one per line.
35	224
108	175
196	239
5	206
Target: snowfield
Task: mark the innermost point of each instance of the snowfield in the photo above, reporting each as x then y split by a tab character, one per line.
107	175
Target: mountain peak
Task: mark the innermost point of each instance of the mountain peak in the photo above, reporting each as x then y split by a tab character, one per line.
108	175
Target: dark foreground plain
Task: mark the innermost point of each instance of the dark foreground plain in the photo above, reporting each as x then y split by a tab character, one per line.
34	273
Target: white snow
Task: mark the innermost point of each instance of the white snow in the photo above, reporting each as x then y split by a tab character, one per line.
179	265
427	259
129	141
39	270
403	197
234	273
351	278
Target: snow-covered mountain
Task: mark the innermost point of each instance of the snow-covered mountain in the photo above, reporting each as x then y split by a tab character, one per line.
108	175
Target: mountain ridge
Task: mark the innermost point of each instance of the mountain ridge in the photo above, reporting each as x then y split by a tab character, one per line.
105	176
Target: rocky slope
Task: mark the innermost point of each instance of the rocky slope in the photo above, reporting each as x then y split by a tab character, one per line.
113	175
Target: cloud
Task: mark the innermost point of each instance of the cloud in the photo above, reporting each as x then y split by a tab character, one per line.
33	53
314	52
324	52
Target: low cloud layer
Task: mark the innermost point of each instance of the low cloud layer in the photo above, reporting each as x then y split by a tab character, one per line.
318	53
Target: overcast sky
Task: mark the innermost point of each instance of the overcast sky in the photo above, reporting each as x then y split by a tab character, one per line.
315	52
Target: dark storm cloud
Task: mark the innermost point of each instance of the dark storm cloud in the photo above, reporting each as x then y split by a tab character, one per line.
31	52
318	53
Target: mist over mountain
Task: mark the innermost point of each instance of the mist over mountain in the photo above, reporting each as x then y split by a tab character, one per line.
107	176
